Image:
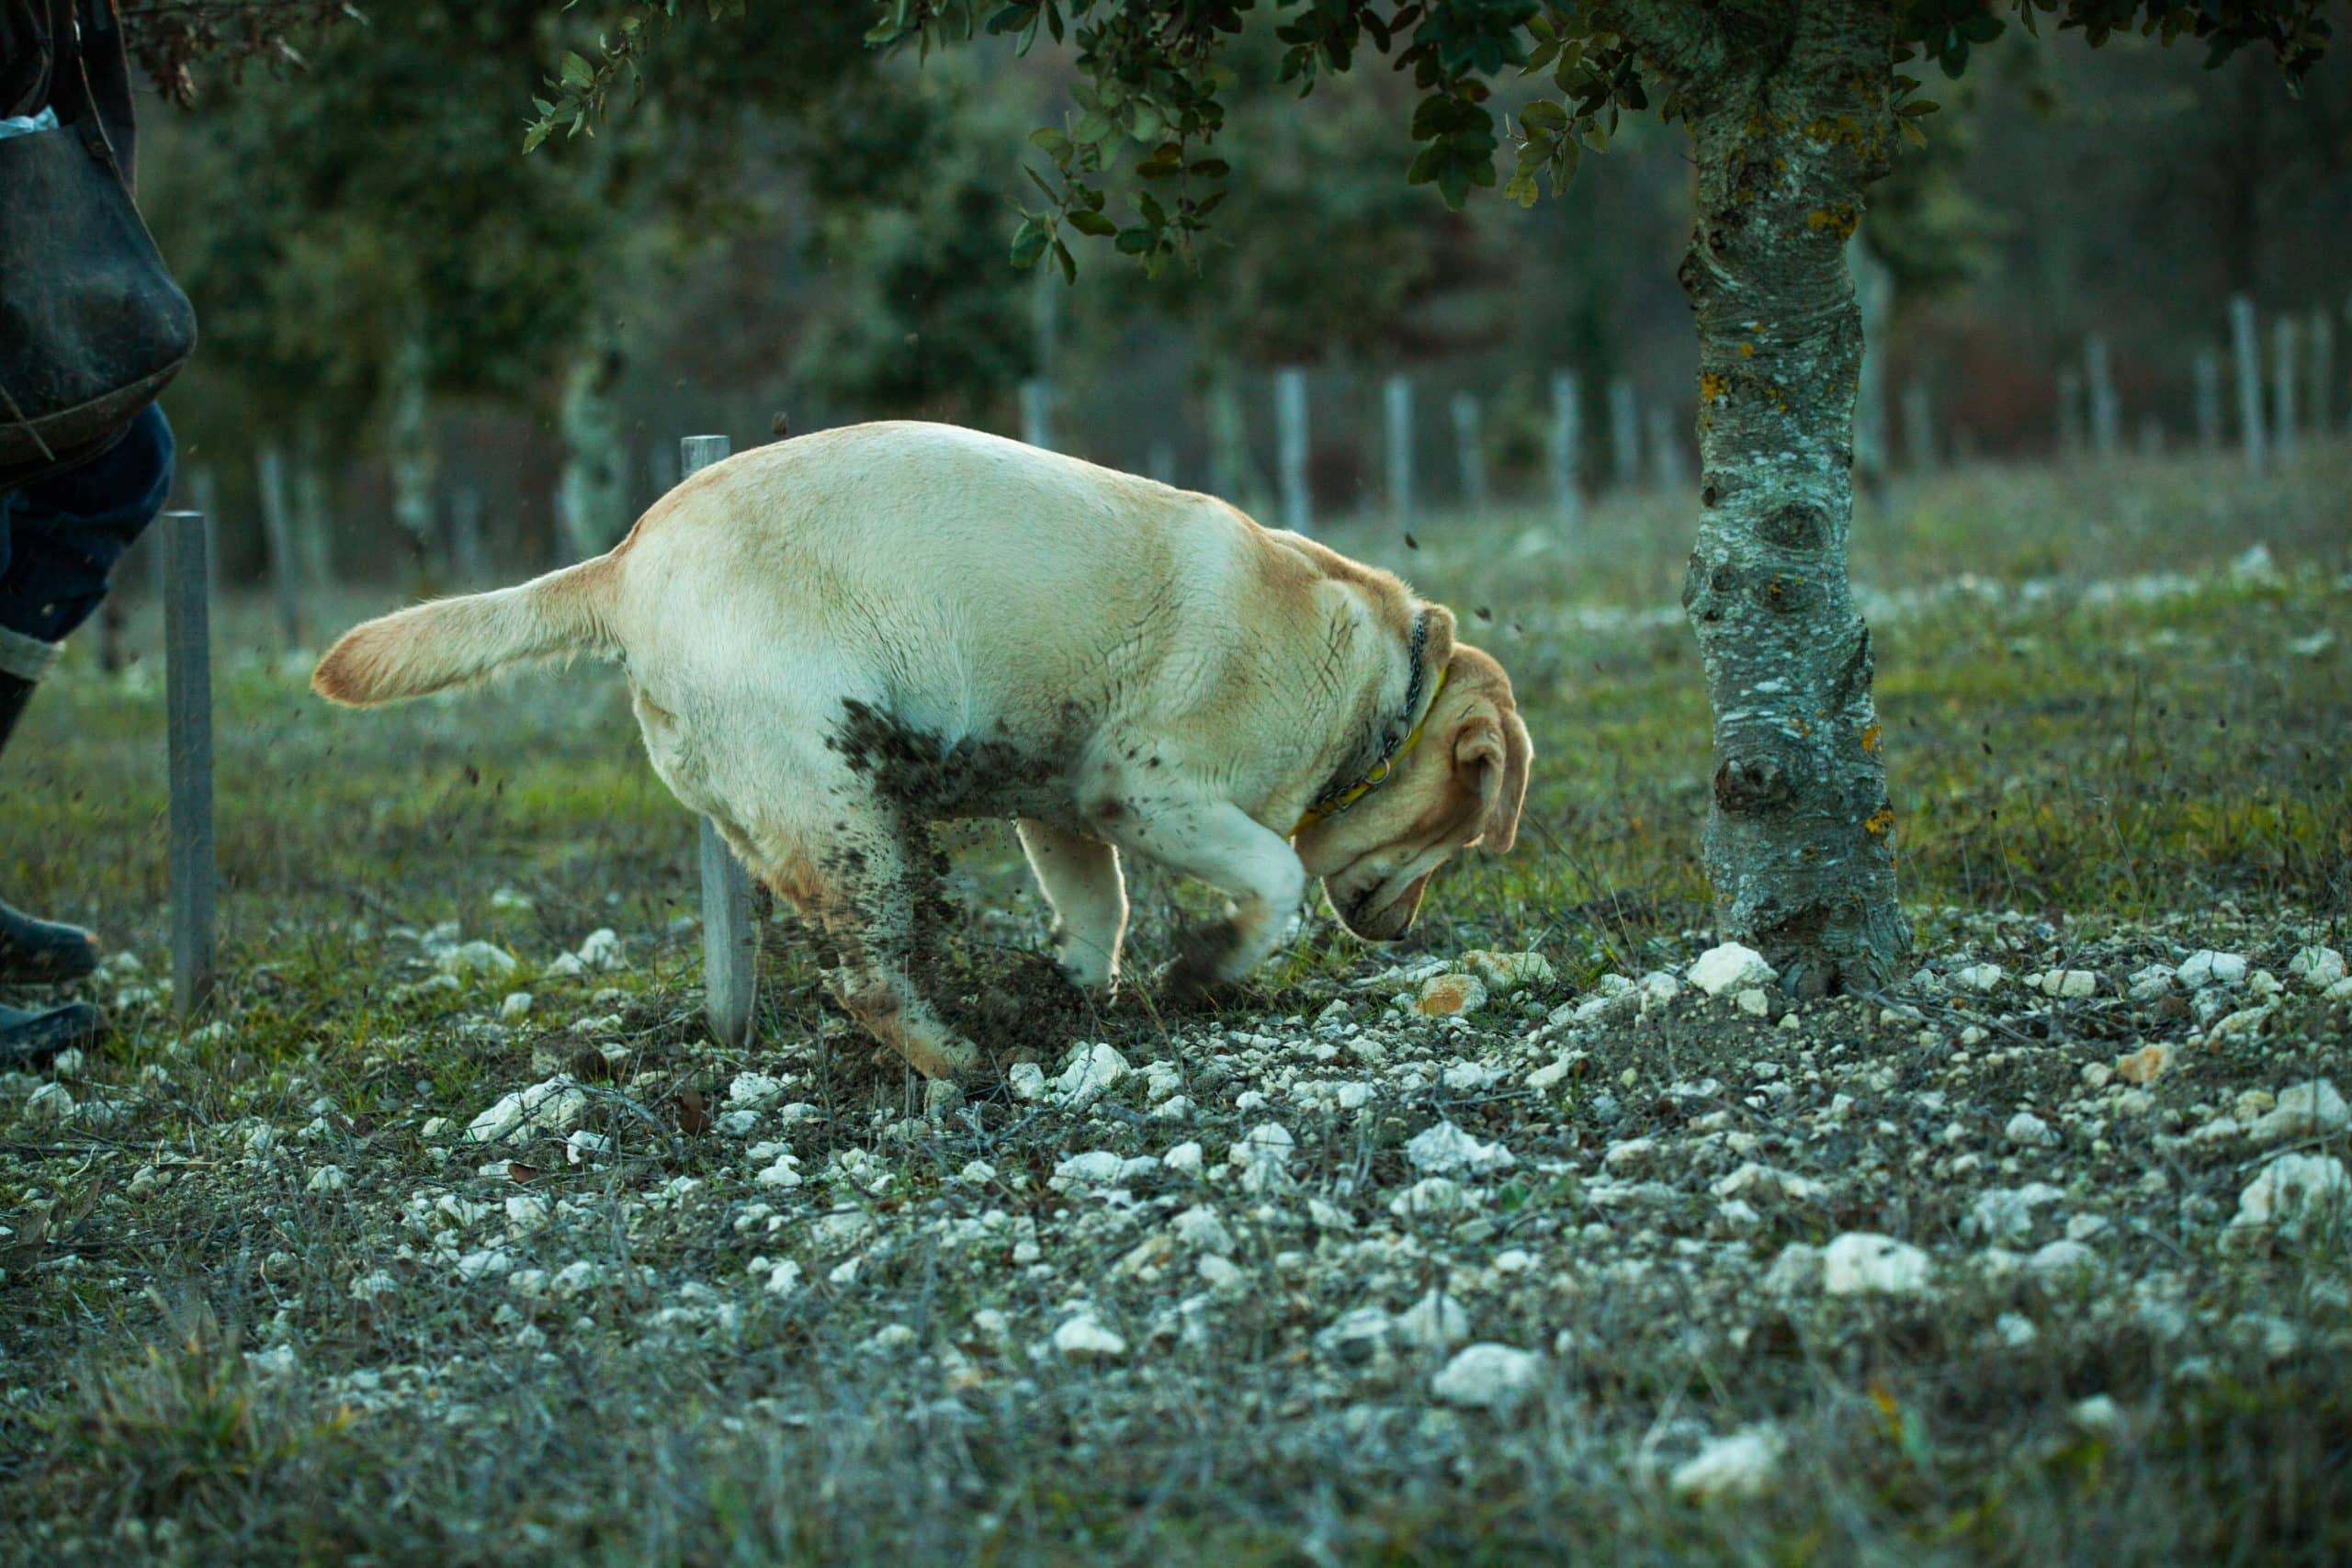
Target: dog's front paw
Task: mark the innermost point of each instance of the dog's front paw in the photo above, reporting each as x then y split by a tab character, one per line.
1200	975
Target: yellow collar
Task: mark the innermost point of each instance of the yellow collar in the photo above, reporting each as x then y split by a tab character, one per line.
1340	800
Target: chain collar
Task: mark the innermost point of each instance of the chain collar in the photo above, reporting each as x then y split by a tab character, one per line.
1392	747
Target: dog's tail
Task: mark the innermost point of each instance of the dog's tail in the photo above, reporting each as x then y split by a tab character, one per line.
430	646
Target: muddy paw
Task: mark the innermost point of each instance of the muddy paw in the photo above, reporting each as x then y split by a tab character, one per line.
1197	976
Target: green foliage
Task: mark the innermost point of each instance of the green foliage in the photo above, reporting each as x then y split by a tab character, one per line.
1153	74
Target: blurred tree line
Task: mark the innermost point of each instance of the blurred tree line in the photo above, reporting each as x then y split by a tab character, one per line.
390	291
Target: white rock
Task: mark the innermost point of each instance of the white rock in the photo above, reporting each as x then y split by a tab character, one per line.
1269	1143
1095	1168
977	1173
778	1277
1731	966
1434	1322
2317	967
2099	1413
1756	1183
475	958
2063	1260
1865	1263
368	1287
1799	1268
517	1004
2016	1329
1184	1158
1200	1228
2206	967
2031	1132
1630	1154
50	1102
2006	1214
2293	1197
1505	973
574	1279
1740	1466
1082	1339
1488	1377
1026	1080
2149	984
585	1146
1091	1071
2070	983
327	1179
1445	1150
555	1105
601	951
1982	978
1447	996
2313	1109
1752	1001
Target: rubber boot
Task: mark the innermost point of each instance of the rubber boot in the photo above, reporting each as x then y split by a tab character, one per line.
35	951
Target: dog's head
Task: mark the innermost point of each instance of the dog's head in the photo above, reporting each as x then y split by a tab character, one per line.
1462	785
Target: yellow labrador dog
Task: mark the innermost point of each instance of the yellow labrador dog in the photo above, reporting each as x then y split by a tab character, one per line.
837	639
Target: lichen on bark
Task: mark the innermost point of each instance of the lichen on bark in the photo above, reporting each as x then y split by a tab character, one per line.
1800	840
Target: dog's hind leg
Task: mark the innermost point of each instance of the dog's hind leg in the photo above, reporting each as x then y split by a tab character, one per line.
873	891
1079	877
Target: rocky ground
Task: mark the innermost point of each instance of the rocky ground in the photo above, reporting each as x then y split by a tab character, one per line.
2046	1212
1559	1232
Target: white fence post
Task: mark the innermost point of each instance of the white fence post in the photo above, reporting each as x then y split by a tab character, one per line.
1566	449
1624	435
2070	413
1037	412
2107	410
277	531
2246	355
1667	468
729	941
1397	404
2285	336
187	676
1918	427
2321	395
1290	433
1470	450
2209	401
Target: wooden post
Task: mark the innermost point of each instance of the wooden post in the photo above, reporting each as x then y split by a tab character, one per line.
2209	401
1624	435
2107	410
465	538
2320	395
1470	450
2070	413
1290	432
1565	448
2284	338
1233	474
2246	356
311	528
661	469
1396	403
277	531
730	945
188	672
1037	412
1667	467
1918	429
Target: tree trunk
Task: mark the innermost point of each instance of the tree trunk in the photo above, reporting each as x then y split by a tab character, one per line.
593	487
1800	840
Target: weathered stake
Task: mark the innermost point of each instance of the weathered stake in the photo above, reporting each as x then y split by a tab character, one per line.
2209	401
730	943
188	682
277	531
2246	355
1290	450
1470	450
2285	335
2107	409
1036	414
1396	399
1565	448
1624	435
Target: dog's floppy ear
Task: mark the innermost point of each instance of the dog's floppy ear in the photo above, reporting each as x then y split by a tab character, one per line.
1491	745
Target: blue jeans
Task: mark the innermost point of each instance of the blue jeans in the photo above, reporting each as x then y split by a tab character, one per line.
61	536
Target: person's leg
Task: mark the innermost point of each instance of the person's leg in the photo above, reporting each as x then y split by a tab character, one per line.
60	540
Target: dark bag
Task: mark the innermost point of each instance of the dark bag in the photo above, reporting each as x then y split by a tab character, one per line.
92	327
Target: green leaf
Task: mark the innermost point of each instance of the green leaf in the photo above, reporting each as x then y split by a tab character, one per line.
1028	242
1093	223
575	71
